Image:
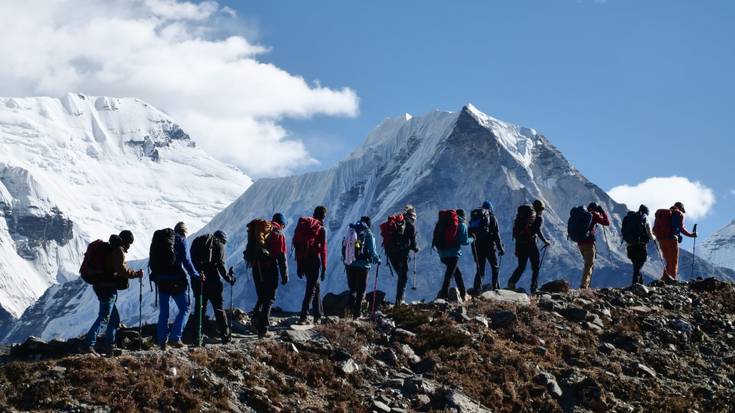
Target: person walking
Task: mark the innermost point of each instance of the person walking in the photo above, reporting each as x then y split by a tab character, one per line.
586	245
399	239
528	226
267	270
450	234
364	254
211	289
310	244
637	234
484	229
115	275
668	228
174	284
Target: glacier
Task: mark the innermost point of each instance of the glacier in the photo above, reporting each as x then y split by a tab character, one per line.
719	248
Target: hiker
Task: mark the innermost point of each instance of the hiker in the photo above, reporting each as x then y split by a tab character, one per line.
528	226
172	283
484	229
359	253
115	276
310	244
210	287
637	234
668	228
450	234
582	226
399	239
266	269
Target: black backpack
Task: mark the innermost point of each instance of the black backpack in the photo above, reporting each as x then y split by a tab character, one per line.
579	224
162	257
525	217
480	223
634	228
201	252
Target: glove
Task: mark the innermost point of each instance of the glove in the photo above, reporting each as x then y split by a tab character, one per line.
232	280
416	249
138	274
284	279
680	238
546	243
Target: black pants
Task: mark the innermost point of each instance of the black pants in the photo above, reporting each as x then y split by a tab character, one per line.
452	270
526	252
483	254
212	294
638	254
357	279
399	262
265	277
311	267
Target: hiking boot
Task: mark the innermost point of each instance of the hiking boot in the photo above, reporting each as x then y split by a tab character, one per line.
108	350
225	339
265	334
88	350
163	346
177	344
302	322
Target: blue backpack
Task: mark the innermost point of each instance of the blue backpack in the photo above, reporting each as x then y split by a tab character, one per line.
579	224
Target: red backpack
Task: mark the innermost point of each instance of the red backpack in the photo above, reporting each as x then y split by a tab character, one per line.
304	237
446	231
392	230
662	228
93	266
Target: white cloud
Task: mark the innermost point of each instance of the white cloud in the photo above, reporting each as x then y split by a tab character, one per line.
174	55
658	193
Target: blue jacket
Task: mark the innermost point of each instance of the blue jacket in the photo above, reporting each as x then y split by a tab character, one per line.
370	250
183	264
464	239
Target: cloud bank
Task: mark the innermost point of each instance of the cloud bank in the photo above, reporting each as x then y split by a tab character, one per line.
175	55
659	193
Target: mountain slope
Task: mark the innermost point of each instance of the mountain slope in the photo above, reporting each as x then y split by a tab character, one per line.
437	161
80	167
719	248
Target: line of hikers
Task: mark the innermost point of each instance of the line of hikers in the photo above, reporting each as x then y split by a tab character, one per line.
171	267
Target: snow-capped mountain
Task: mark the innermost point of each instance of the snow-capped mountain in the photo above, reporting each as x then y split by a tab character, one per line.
77	168
719	248
437	161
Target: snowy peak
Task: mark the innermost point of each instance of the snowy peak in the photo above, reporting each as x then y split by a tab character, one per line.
719	248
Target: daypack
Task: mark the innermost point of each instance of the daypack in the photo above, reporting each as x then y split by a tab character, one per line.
662	224
305	237
162	257
525	217
95	258
634	228
392	231
446	230
258	232
354	245
201	252
579	224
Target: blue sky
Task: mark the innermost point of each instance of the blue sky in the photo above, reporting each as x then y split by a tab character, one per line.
626	89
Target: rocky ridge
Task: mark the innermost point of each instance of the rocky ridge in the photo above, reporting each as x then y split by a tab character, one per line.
646	348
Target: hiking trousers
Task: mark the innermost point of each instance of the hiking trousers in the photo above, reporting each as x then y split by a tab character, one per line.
311	267
588	251
212	294
399	262
482	255
524	253
638	254
107	314
182	302
357	279
452	271
670	251
266	283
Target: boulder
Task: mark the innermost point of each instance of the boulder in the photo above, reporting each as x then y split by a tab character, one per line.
506	296
458	401
574	313
379	299
556	286
708	284
502	319
336	304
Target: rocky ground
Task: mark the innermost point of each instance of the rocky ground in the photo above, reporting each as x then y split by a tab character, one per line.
648	348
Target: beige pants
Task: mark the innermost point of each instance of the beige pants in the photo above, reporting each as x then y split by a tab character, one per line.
588	254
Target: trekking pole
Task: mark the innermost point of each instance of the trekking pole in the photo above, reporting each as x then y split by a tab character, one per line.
543	255
375	291
232	308
390	267
201	315
607	244
140	313
694	250
414	272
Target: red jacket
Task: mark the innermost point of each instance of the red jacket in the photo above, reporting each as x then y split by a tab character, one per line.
597	218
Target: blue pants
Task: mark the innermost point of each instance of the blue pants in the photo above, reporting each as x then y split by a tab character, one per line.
182	302
107	315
